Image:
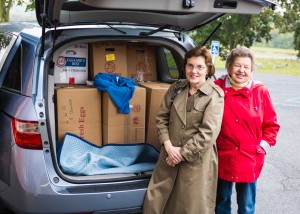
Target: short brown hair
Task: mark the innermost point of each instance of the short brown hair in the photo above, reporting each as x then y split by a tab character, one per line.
240	51
201	51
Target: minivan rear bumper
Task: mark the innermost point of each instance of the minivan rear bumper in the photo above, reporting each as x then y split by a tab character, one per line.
32	191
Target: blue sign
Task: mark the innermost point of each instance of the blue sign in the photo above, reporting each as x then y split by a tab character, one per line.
75	61
215	46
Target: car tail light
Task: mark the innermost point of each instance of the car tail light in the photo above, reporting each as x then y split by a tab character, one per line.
27	134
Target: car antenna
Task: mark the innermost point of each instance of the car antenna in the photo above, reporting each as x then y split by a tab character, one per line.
214	31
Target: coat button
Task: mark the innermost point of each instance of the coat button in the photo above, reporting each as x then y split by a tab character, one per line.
182	126
237	120
236	148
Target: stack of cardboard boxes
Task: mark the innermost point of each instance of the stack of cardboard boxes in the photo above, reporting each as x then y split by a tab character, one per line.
91	114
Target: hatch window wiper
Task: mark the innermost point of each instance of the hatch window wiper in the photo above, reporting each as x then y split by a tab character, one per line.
116	29
162	28
176	32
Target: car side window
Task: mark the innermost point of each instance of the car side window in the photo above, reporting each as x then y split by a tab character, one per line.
12	79
173	70
6	42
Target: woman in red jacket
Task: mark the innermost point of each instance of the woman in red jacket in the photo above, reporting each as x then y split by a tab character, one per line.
249	128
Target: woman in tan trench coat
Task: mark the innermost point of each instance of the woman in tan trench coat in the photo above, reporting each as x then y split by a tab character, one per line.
188	122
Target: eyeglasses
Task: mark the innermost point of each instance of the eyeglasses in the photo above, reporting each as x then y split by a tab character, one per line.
197	67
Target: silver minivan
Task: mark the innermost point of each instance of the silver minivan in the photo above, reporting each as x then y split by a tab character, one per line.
32	178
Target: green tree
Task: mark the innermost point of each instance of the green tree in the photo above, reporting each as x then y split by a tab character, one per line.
291	14
290	21
30	6
297	38
4	10
279	40
5	6
238	30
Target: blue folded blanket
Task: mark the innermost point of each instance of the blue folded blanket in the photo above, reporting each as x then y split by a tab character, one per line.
80	157
120	89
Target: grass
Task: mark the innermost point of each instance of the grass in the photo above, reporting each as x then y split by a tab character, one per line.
278	66
271	65
274	51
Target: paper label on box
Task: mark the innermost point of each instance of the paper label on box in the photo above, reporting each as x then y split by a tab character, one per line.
72	65
110	57
63	61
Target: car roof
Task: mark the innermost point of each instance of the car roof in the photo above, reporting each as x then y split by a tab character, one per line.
168	14
17	27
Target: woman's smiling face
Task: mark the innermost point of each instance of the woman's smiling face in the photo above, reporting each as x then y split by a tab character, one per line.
241	70
196	70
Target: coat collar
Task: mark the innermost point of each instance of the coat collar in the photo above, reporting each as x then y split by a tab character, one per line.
229	90
207	87
228	85
181	99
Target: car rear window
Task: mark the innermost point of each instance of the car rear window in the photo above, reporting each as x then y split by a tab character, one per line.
6	42
13	76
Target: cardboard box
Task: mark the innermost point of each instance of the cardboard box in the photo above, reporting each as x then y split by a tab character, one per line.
71	66
123	134
141	62
155	93
108	57
124	128
78	111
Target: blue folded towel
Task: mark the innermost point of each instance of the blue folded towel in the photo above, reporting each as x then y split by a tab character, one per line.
120	89
78	156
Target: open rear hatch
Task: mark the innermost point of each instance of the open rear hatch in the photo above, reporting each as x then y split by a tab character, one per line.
177	15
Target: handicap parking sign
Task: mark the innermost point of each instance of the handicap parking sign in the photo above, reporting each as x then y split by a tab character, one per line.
215	45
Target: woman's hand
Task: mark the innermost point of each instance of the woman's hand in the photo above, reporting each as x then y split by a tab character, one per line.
170	162
174	155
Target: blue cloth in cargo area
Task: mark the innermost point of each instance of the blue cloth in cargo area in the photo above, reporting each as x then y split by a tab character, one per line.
120	89
79	157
